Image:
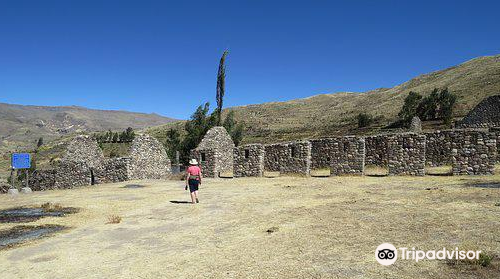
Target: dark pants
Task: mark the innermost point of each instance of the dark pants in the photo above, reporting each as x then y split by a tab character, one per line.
193	185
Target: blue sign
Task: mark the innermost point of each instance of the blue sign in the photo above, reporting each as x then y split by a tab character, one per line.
21	161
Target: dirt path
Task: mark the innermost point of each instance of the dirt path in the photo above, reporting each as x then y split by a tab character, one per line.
261	228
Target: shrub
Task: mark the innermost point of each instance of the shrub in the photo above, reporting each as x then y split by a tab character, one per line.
364	120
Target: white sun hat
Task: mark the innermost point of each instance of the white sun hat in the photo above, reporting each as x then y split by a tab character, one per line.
193	162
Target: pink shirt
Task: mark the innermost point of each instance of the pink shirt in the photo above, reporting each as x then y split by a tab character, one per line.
194	170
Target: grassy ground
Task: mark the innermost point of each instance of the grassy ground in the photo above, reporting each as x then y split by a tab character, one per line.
284	227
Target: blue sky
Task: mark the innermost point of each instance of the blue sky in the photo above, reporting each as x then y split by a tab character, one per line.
162	56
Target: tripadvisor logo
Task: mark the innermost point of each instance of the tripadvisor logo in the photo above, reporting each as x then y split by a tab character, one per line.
387	254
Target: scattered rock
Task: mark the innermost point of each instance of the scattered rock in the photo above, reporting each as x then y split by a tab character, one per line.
272	230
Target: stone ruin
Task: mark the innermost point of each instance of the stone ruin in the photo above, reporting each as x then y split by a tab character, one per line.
149	159
468	151
341	155
288	157
486	114
476	154
406	154
376	149
215	152
84	164
249	160
416	125
84	149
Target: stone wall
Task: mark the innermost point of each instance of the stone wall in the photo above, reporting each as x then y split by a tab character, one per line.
41	180
406	154
474	153
376	150
207	161
217	150
342	155
112	170
84	149
289	157
249	160
71	175
65	175
438	147
148	159
485	114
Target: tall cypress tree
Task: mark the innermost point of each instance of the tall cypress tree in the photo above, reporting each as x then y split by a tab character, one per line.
221	81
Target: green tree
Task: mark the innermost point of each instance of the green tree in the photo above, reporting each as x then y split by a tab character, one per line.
409	108
39	142
221	81
364	120
130	134
116	137
447	102
196	128
428	107
173	143
234	129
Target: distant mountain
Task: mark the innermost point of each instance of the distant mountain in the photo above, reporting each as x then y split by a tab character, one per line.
335	114
22	125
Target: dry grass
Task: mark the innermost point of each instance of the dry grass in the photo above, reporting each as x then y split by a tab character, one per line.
372	170
320	172
50	207
286	227
114	219
440	171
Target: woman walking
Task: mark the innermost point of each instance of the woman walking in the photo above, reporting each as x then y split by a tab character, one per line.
193	180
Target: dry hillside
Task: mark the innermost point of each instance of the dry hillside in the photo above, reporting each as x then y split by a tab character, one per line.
335	114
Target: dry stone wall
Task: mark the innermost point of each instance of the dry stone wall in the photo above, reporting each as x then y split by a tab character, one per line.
41	180
65	175
215	152
416	125
112	170
84	149
207	161
438	147
376	150
289	157
71	175
475	153
148	159
342	155
249	160
486	114
406	154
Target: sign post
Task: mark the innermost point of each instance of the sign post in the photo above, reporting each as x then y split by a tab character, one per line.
21	161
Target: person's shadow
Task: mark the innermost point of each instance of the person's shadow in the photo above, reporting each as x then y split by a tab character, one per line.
177	202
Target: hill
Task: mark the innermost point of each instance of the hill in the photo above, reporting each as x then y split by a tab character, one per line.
335	114
21	126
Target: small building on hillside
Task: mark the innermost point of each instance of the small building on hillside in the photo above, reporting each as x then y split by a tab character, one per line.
215	152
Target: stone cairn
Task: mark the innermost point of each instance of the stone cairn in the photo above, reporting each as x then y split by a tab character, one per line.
416	125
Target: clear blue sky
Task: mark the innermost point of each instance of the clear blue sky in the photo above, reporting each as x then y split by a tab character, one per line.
162	56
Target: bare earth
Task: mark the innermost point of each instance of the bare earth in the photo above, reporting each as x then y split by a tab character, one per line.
322	228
